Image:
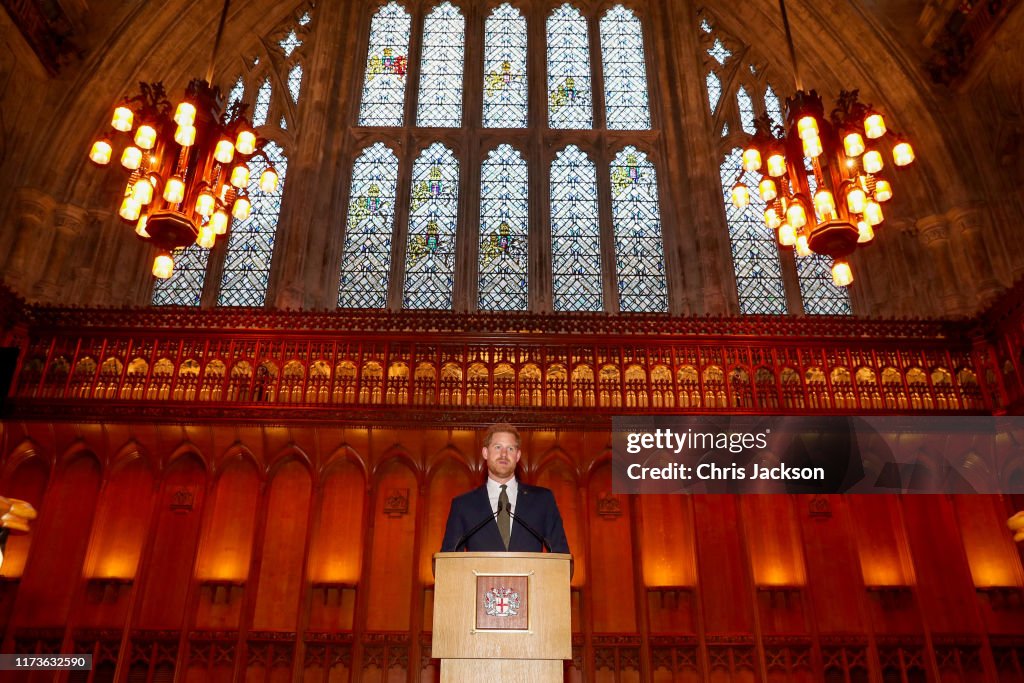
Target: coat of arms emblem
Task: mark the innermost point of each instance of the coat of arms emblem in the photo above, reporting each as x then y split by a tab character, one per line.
501	602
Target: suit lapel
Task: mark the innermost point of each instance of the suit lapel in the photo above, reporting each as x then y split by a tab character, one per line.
490	532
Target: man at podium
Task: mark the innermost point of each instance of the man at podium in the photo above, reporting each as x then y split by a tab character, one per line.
504	514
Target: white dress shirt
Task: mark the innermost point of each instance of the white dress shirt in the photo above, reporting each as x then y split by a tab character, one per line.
511	490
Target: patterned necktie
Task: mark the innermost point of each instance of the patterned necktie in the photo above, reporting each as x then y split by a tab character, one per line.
504	519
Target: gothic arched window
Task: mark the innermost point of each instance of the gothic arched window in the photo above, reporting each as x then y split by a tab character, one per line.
433	213
639	258
387	62
569	91
625	71
505	69
762	273
504	231
440	96
366	258
241	269
575	233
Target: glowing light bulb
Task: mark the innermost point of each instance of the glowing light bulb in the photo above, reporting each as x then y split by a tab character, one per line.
796	215
842	276
131	158
883	191
873	213
853	144
776	165
145	136
751	159
855	200
219	222
767	190
903	154
241	208
873	161
206	237
864	232
224	152
140	227
205	203
123	119
740	196
812	147
100	152
771	219
142	191
130	209
245	143
174	190
240	176
787	235
803	248
185	114
268	181
824	205
163	266
185	135
808	127
874	126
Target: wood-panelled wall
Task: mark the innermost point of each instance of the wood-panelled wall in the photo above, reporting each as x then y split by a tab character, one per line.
227	552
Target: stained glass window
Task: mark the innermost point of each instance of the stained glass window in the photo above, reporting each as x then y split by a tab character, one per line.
575	233
569	98
746	109
625	71
289	43
366	255
714	90
236	94
386	65
295	82
504	226
719	52
636	219
185	286
261	110
505	69
440	95
771	105
755	256
251	242
433	212
820	294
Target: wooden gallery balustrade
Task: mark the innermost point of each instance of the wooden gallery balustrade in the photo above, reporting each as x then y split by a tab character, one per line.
377	367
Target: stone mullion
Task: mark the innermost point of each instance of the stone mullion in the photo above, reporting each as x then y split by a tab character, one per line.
602	160
466	294
539	154
692	169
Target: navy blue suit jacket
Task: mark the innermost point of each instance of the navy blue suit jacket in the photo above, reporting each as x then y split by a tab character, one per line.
535	505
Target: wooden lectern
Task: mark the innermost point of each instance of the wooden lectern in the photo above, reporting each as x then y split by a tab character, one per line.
502	616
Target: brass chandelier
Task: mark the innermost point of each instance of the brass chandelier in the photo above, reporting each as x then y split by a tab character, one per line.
188	167
821	178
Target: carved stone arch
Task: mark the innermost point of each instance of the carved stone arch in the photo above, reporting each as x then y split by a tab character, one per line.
130	452
399	454
184	450
555	457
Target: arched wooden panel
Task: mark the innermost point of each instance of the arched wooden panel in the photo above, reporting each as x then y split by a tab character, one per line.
227	540
668	562
991	556
284	548
721	566
168	567
450	479
27	482
773	541
611	543
559	477
881	541
391	556
831	554
52	578
122	518
337	550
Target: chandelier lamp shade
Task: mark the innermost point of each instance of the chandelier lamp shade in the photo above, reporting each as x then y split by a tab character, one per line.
188	165
822	180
